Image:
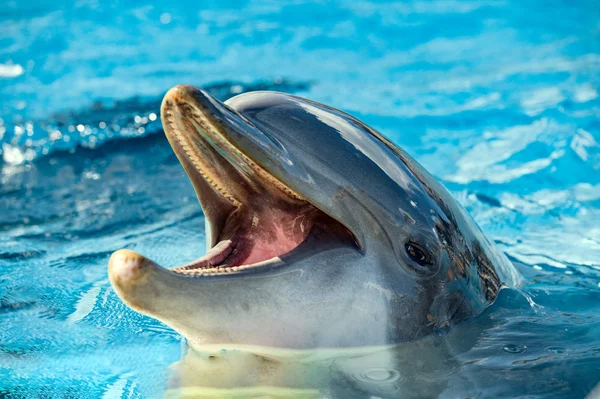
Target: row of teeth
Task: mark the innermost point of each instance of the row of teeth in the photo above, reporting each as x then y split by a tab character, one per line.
213	259
219	270
212	271
215	135
189	149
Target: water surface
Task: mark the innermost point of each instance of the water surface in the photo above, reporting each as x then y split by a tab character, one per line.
498	99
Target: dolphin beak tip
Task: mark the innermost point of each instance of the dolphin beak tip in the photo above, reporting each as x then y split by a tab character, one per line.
126	267
187	94
182	92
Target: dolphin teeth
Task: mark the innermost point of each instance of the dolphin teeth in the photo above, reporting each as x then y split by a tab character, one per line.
193	156
223	269
214	135
214	257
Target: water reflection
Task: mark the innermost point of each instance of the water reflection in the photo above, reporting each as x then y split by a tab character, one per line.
474	359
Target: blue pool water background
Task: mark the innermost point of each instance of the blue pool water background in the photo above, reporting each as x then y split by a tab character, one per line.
499	100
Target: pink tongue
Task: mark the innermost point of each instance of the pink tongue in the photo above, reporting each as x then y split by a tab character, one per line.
273	233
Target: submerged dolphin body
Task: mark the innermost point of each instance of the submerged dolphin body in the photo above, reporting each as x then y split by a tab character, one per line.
321	233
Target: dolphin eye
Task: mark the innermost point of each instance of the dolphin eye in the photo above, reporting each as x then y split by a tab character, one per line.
417	253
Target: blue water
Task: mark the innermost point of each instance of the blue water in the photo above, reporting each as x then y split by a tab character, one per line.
500	100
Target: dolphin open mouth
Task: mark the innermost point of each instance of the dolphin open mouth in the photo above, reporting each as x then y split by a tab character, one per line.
254	218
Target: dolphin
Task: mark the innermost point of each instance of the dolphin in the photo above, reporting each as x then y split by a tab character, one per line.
321	233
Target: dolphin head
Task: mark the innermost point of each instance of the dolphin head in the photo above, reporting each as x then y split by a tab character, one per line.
321	232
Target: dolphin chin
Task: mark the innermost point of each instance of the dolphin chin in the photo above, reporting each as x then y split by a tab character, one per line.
320	232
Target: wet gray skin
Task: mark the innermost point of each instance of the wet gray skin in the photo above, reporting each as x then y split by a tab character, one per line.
324	234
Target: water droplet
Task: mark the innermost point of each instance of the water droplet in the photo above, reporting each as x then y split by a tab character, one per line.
511	348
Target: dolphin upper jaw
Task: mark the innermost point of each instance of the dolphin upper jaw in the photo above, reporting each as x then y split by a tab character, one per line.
187	111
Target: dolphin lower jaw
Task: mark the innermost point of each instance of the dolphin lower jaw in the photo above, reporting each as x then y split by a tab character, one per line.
267	308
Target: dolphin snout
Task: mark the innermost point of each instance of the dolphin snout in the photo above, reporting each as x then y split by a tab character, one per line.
125	267
133	279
